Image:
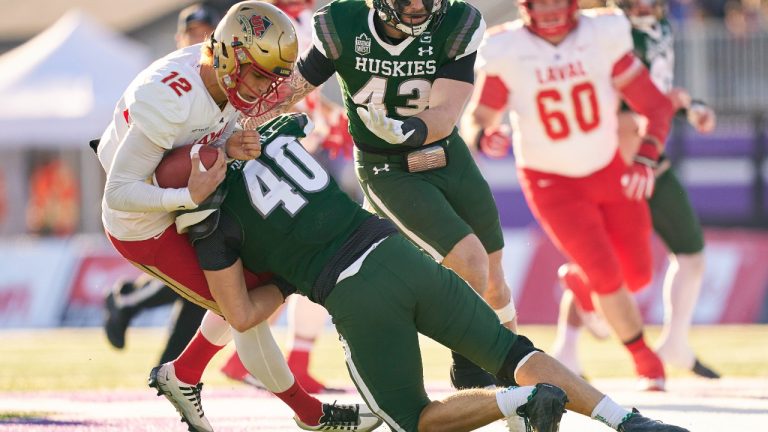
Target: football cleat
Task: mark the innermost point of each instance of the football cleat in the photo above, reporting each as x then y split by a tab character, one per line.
704	371
184	397
544	409
117	317
356	417
636	422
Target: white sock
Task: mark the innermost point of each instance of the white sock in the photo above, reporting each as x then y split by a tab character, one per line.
509	399
609	412
565	348
215	329
262	358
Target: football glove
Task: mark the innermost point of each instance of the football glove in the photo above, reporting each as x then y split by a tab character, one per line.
638	181
495	142
701	117
388	129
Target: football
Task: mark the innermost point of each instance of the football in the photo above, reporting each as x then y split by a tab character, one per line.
175	167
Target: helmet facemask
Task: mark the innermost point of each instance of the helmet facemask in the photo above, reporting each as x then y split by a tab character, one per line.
391	12
233	82
552	22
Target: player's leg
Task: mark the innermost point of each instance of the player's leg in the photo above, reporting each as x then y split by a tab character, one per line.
186	319
374	312
628	224
463	322
126	299
423	214
675	220
306	320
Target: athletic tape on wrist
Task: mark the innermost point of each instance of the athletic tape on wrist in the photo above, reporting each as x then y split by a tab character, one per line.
507	313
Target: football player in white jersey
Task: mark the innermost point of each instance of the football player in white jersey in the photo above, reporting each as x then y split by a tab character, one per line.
561	72
195	96
306	320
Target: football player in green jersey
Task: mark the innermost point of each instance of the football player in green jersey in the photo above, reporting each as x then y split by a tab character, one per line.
283	212
406	70
674	218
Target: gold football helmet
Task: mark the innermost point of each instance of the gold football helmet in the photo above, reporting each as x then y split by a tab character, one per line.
253	37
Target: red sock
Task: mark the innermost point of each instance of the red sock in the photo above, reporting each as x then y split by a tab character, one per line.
647	363
298	361
306	407
196	356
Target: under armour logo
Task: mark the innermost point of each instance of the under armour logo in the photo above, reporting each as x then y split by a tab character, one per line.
425	50
377	170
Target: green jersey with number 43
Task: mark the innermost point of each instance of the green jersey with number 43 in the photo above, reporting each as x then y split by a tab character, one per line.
398	76
287	201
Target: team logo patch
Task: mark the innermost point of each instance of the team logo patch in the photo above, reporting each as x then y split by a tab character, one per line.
363	44
255	25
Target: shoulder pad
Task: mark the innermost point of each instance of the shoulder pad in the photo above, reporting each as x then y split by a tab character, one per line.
324	34
468	27
292	124
158	111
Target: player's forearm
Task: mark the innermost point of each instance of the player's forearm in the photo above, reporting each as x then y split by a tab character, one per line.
126	188
446	103
642	95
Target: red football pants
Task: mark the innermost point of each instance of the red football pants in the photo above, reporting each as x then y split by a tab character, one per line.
172	259
605	234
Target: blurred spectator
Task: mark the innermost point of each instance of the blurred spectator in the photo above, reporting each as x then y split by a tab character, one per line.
196	23
54	199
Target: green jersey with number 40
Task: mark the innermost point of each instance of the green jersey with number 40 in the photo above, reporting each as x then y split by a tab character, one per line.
397	76
291	208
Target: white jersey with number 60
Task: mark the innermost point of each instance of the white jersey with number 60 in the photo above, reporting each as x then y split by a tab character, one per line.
562	99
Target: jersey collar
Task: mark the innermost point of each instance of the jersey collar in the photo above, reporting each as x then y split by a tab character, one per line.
394	50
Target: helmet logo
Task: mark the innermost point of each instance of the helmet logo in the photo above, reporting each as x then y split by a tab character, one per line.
363	44
256	25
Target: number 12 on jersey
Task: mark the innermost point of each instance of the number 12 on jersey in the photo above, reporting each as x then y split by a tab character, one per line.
553	109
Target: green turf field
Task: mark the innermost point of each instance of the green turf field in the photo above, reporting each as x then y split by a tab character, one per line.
70	359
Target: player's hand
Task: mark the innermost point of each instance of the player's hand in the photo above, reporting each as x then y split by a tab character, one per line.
701	117
388	129
244	145
495	143
638	181
203	182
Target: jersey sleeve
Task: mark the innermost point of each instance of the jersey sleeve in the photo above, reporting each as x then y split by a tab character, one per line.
616	34
466	38
491	54
158	111
325	38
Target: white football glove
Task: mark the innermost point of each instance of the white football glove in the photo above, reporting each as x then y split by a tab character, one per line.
388	129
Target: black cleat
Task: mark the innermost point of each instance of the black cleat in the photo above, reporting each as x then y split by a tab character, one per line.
704	371
636	422
117	317
544	409
466	375
338	418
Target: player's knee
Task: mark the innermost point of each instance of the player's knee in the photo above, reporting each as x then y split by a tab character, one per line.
517	352
470	261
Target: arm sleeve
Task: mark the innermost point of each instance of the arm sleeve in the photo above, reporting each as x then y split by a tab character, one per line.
460	70
315	67
127	188
221	248
494	93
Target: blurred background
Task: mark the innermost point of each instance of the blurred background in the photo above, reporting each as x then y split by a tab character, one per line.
63	65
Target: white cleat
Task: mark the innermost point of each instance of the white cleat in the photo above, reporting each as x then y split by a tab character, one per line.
340	418
184	397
